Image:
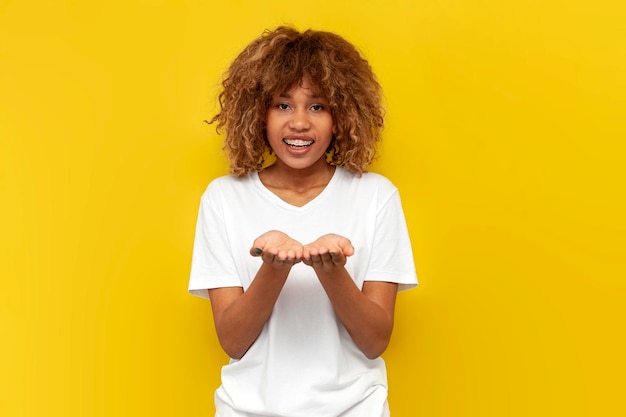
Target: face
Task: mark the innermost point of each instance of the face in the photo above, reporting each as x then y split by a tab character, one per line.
299	127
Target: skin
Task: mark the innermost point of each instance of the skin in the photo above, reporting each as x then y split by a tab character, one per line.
299	130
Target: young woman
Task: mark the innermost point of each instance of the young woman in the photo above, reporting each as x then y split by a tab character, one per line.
300	250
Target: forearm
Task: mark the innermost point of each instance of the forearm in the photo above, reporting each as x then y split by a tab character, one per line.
367	315
240	318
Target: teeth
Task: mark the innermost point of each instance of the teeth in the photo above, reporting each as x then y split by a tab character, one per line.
298	142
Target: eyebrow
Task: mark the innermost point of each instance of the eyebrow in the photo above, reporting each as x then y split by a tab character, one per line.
287	95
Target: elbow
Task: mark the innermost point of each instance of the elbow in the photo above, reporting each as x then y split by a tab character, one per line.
375	350
231	343
233	350
374	347
376	344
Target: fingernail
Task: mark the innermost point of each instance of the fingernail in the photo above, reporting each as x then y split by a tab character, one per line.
258	251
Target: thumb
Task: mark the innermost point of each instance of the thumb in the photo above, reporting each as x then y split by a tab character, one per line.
258	245
346	246
255	251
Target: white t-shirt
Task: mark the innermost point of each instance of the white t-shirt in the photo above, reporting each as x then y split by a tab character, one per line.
304	362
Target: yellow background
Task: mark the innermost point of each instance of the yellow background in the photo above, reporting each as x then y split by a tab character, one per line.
505	134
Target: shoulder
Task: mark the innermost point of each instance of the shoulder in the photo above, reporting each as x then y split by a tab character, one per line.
378	180
368	189
367	180
227	184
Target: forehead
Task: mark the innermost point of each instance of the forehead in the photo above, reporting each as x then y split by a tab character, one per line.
309	88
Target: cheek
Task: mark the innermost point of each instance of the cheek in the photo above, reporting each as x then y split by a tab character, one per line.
331	127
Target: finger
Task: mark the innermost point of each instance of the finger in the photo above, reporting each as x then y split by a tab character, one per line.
268	257
258	246
308	252
329	261
315	260
293	261
337	258
326	259
291	255
346	246
282	255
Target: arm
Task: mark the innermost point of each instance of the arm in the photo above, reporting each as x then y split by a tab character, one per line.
240	316
367	314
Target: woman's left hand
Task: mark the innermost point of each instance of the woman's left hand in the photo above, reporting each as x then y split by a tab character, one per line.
327	252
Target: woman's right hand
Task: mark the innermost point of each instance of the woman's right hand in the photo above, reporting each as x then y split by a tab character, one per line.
277	249
240	316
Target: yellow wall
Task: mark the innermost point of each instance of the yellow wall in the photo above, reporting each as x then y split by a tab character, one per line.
506	129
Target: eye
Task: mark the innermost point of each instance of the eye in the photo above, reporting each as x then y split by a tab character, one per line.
282	106
317	107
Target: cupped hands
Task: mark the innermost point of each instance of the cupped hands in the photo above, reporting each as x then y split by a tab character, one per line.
279	250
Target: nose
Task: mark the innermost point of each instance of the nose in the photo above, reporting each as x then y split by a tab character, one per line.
299	120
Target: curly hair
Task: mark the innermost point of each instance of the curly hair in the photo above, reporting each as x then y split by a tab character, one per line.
277	61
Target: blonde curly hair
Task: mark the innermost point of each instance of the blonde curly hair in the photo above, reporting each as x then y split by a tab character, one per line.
277	61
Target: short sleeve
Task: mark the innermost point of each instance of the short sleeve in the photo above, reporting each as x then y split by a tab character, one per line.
212	264
392	254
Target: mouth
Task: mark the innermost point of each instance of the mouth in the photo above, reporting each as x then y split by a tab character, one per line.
298	143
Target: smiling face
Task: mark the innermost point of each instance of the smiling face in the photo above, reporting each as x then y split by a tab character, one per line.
299	127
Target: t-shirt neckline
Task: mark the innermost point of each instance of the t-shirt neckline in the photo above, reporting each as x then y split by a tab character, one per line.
275	198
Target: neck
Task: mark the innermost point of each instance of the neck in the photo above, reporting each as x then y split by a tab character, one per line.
284	176
297	186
